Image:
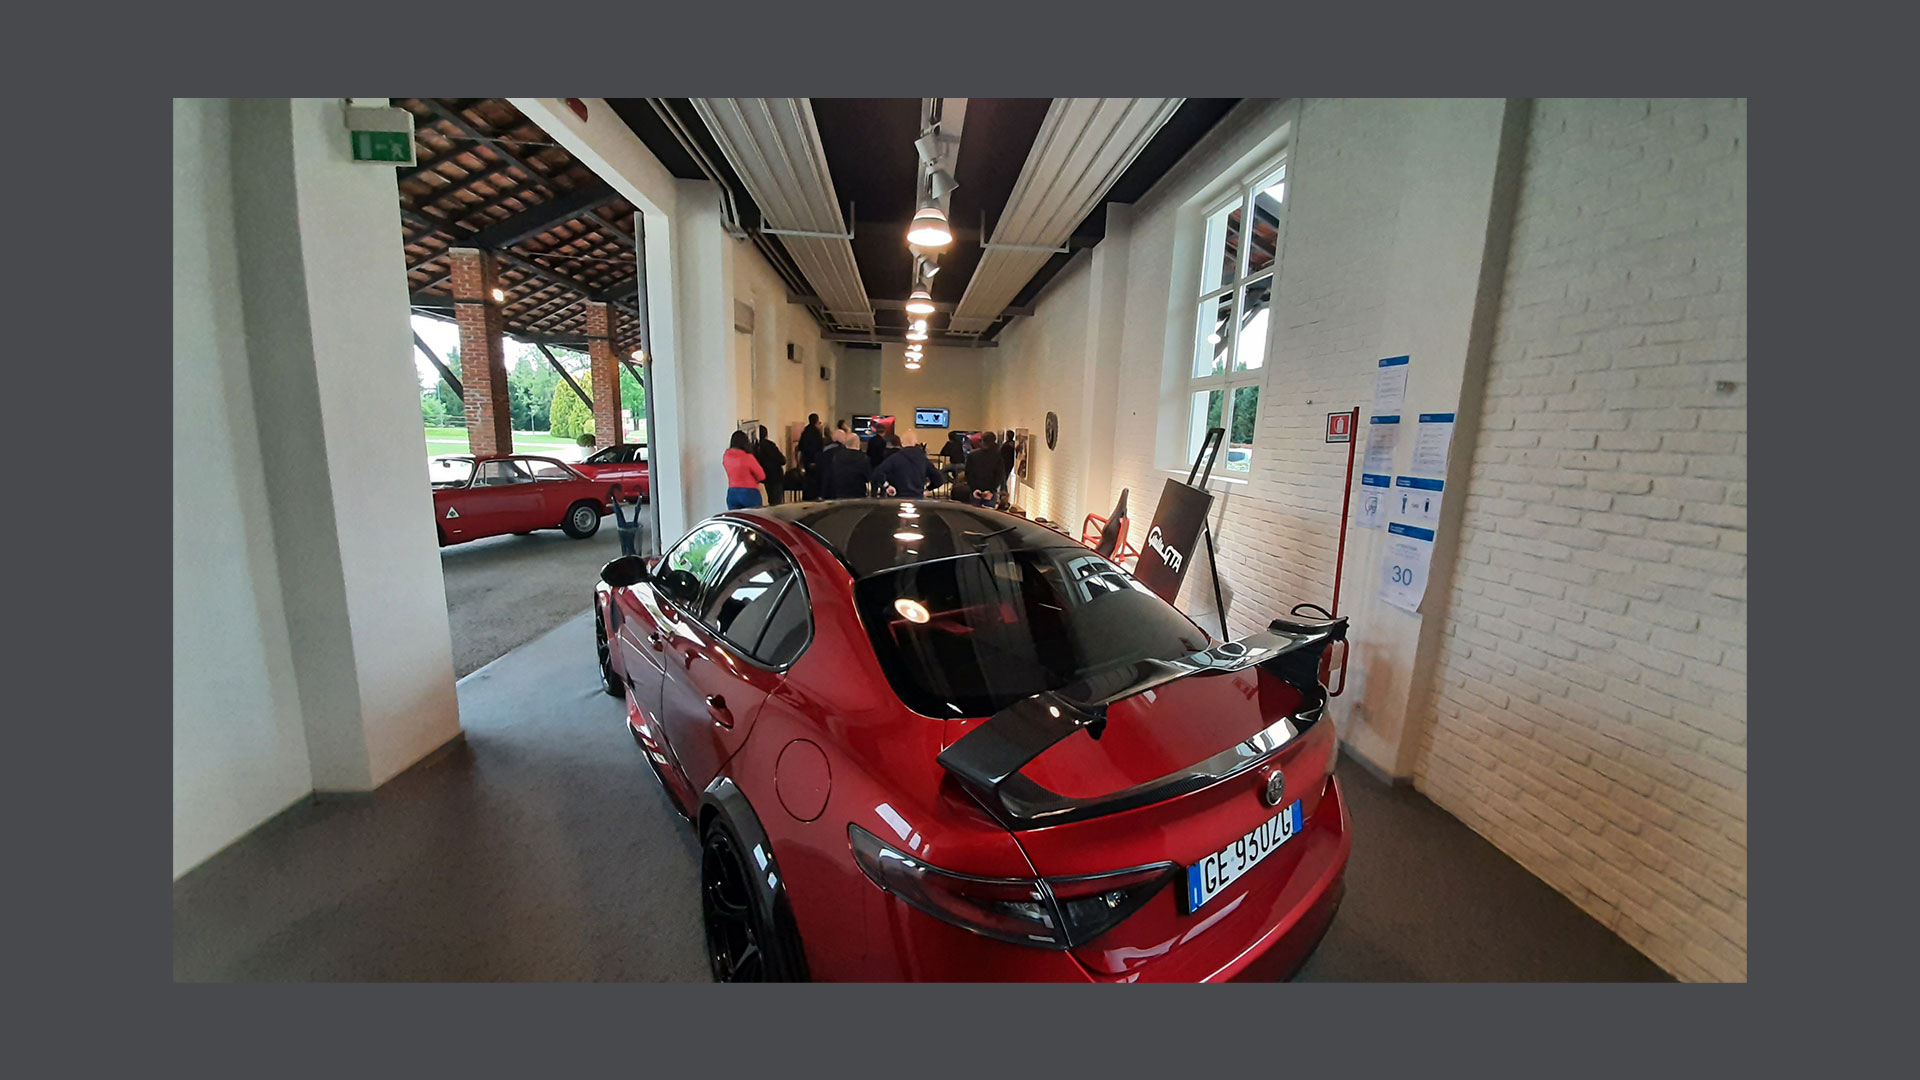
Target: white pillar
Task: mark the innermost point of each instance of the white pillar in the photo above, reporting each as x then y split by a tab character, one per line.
324	292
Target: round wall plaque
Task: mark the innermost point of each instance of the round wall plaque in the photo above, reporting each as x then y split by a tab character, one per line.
1053	430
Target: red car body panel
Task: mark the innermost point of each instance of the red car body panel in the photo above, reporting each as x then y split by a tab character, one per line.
470	512
835	705
632	476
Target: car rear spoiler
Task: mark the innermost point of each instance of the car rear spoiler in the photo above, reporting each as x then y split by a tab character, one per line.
988	759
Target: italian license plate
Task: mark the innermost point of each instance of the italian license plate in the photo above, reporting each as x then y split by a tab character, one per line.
1207	878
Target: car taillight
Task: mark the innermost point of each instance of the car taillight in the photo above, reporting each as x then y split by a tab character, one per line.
1045	913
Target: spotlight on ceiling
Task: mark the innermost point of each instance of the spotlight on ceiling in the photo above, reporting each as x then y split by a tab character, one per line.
929	229
499	295
941	184
917	334
639	356
920	303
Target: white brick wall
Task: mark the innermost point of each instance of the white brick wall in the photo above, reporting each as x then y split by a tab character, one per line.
1590	716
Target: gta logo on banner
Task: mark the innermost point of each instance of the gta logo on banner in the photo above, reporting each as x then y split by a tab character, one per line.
1169	546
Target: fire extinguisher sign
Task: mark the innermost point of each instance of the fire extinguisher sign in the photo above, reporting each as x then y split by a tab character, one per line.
1339	427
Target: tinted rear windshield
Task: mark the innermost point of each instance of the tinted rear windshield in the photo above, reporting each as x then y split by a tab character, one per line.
970	635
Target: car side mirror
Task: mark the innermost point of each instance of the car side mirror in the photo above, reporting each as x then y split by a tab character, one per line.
624	571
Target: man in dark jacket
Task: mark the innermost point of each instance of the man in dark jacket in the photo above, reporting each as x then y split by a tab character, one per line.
1006	464
877	448
906	472
812	441
774	464
844	470
956	449
984	472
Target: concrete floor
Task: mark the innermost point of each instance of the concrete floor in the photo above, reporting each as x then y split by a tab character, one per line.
542	849
504	591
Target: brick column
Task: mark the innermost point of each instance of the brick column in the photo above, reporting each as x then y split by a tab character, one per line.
607	428
483	358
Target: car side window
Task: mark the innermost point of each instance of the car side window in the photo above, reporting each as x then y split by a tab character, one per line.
685	569
546	470
498	473
748	588
609	456
787	629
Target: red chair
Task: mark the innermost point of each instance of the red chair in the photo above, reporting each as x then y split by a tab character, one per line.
1108	535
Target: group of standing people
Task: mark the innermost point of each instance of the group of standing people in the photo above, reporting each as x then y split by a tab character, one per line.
833	465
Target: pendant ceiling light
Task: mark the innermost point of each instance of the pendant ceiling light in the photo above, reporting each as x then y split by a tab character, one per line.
918	333
920	303
929	229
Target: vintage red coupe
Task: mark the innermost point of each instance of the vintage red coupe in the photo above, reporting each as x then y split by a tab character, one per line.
921	740
514	493
625	465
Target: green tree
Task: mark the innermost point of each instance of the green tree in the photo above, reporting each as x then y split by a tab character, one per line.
568	416
452	410
432	413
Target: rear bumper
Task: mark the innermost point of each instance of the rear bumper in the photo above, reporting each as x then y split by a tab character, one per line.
1306	910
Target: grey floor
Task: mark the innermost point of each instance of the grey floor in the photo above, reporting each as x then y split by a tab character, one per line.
504	591
542	849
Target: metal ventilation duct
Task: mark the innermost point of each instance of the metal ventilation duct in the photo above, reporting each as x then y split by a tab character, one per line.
1083	146
774	147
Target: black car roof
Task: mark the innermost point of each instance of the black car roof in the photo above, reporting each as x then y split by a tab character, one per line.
872	536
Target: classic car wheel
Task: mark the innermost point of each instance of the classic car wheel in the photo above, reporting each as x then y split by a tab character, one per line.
582	520
608	681
744	942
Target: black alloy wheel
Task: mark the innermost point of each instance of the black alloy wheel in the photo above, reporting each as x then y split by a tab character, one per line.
745	943
608	681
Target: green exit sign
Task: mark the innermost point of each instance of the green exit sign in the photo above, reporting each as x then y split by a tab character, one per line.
390	146
381	136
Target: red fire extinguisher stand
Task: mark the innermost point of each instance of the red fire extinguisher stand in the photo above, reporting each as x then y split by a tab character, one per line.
1340	557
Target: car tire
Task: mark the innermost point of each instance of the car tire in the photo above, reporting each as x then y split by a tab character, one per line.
582	520
745	942
609	682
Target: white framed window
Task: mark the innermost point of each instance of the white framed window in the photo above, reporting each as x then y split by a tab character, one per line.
1239	259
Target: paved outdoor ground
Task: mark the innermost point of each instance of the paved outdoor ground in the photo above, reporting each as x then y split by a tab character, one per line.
504	591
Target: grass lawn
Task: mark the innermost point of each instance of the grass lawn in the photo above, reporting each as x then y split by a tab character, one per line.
452	440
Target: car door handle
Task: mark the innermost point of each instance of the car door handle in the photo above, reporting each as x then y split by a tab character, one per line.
717	706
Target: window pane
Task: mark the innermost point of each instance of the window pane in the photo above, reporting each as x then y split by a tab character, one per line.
1268	194
1255	299
742	597
1205	416
786	632
1246	411
1214	338
1221	261
688	564
970	636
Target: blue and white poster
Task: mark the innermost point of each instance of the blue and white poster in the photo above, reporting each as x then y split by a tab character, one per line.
1432	444
1416	499
1403	573
1374	494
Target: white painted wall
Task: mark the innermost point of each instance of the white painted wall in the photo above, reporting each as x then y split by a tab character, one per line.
784	391
311	641
950	378
1392	244
239	747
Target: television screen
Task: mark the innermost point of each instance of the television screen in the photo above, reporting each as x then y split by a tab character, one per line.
930	418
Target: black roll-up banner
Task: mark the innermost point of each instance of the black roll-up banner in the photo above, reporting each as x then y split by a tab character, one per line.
1169	546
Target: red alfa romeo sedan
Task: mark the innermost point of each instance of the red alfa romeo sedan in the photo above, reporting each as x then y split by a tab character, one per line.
922	740
625	464
475	497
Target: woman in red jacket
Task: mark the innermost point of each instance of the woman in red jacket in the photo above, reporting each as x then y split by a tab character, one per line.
744	474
